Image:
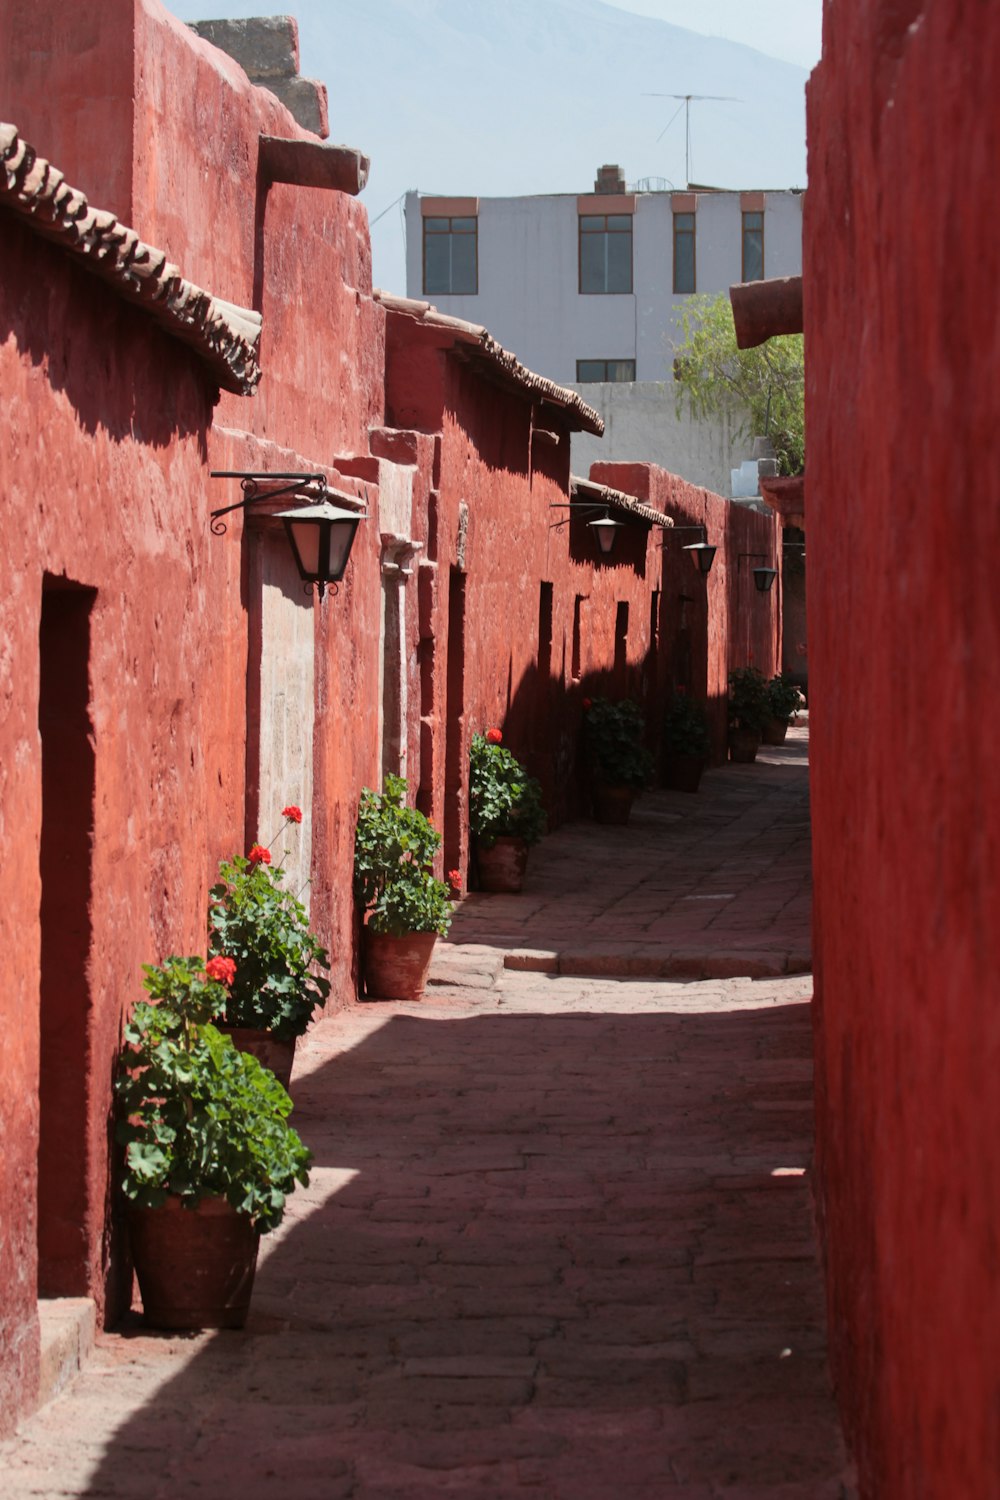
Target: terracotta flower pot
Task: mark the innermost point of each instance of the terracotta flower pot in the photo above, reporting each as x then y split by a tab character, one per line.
775	731
266	1048
612	804
682	773
195	1265
502	865
743	745
396	967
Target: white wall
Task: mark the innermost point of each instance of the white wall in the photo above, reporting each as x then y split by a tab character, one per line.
528	277
641	425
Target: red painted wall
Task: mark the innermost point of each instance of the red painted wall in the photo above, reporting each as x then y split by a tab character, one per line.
708	625
515	542
110	429
901	269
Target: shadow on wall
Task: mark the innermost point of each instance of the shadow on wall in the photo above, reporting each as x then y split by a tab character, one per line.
121	374
529	1193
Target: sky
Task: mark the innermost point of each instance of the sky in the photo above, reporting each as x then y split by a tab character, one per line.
789	29
540	92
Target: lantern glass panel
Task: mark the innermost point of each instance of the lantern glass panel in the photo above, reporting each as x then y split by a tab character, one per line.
305	539
341	538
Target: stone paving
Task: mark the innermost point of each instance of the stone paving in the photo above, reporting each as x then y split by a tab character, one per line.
558	1240
711	885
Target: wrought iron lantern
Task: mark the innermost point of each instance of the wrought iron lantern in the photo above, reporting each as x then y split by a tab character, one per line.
606	530
320	533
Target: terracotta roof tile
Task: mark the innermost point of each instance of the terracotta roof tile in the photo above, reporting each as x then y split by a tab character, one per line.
226	336
478	343
589	491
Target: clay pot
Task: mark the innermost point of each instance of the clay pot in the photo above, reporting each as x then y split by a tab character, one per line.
195	1265
266	1048
743	745
502	866
775	731
396	967
682	773
612	804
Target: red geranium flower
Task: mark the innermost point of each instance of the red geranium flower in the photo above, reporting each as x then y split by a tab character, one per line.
221	969
259	855
494	736
455	880
587	703
293	814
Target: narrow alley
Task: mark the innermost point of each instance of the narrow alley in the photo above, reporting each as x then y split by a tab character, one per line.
558	1239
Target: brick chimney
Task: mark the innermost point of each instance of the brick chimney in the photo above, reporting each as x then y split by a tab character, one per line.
610	179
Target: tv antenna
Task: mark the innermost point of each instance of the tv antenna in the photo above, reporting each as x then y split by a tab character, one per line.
686	102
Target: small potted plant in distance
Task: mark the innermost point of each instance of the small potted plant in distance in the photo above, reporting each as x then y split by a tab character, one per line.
505	812
406	908
748	710
209	1155
783	701
686	743
619	762
264	929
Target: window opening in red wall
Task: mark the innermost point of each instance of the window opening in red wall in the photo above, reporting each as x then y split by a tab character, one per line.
454	768
577	658
66	733
621	646
544	633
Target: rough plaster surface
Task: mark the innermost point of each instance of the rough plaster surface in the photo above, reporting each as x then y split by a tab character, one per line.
901	269
127	421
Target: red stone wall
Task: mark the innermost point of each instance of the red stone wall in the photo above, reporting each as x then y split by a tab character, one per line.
519	537
708	625
85	501
110	429
901	268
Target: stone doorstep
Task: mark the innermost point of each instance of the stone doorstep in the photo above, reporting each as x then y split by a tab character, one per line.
68	1326
624	961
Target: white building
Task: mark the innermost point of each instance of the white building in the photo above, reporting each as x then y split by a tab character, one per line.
589	288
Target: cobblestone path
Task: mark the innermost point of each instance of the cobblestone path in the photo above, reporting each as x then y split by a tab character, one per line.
557	1243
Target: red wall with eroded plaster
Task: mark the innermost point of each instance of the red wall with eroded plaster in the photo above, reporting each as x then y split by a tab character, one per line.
110	430
902	262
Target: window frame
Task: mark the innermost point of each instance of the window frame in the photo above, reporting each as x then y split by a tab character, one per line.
752	213
604	292
583	379
440	233
692	290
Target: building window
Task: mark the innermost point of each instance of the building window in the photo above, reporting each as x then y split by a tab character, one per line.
605	252
590	371
753	247
684	268
451	257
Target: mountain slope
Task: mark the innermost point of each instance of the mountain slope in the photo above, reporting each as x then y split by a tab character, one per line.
495	97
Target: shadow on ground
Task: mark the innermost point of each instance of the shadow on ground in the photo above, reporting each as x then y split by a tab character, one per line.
564	1264
715	883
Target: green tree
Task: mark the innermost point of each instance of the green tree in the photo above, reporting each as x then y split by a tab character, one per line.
763	389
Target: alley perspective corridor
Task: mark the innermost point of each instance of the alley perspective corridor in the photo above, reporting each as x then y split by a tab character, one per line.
558	1240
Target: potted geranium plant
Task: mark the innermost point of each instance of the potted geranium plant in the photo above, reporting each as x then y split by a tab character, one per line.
748	711
405	907
264	929
209	1155
619	761
783	702
686	743
505	812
